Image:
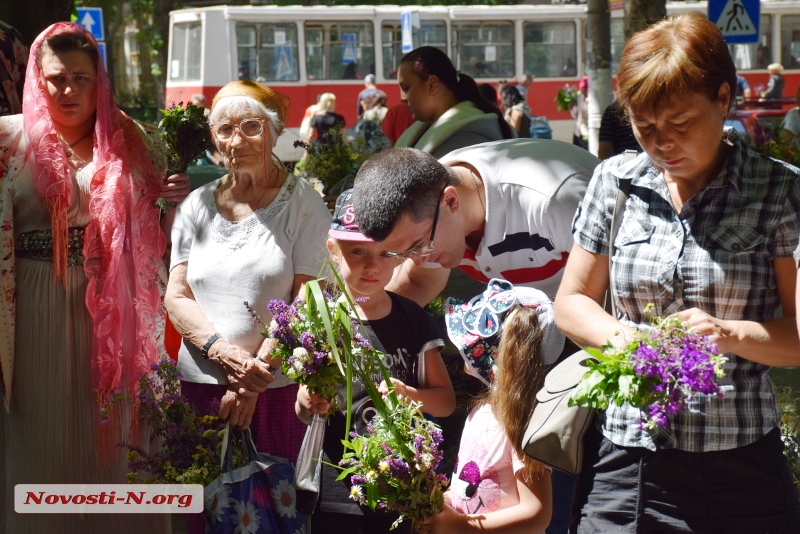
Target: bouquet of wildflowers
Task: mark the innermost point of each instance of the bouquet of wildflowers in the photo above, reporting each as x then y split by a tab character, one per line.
317	341
565	97
186	135
190	443
657	371
393	466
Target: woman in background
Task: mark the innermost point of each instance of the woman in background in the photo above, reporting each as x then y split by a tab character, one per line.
449	110
518	114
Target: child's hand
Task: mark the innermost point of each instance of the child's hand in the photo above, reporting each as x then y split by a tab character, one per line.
448	520
311	401
399	387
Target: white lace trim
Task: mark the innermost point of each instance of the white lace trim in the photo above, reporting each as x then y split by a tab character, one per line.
236	234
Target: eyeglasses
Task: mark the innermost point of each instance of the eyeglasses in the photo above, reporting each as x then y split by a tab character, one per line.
422	251
247	127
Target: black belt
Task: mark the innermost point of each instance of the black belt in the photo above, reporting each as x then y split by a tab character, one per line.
38	245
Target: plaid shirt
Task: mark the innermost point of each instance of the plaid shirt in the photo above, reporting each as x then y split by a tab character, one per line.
716	255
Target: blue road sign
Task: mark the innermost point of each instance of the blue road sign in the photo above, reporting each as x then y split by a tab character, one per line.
91	18
737	19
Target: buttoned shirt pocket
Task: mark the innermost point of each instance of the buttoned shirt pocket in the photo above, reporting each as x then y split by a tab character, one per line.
634	231
735	239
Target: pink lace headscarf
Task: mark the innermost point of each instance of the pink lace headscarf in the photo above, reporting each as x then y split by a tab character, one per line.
123	243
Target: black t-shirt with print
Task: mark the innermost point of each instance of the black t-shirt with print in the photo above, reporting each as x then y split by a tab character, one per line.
402	335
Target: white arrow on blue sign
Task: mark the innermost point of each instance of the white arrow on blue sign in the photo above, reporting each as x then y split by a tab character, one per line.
738	20
91	18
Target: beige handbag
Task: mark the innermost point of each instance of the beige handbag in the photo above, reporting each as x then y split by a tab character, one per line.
555	433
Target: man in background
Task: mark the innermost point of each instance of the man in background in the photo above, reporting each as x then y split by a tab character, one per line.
370	89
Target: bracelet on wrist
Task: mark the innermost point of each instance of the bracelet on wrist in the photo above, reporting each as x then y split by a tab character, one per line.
213	339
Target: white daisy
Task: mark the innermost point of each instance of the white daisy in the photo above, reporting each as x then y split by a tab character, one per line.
284	499
222	499
355	493
246	519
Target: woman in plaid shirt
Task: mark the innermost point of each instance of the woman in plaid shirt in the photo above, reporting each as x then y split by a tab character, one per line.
707	233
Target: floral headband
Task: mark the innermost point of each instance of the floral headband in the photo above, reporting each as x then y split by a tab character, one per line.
475	326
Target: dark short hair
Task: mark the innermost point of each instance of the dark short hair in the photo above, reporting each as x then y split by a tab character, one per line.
397	182
67	42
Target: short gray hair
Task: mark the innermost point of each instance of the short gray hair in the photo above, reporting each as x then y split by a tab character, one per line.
369	78
244	104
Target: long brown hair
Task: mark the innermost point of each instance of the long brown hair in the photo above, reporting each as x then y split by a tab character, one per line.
519	375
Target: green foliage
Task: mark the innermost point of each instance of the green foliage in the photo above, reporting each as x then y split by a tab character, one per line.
190	451
335	162
789	401
186	135
566	97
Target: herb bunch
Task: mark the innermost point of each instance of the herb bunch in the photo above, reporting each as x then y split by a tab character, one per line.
186	135
393	466
316	338
565	97
657	371
190	443
334	161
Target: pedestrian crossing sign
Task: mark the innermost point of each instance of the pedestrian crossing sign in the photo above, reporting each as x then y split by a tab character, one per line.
738	20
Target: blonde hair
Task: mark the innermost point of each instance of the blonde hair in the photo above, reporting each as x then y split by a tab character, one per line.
519	375
327	102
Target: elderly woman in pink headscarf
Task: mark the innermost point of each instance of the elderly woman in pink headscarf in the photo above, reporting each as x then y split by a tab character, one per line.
80	254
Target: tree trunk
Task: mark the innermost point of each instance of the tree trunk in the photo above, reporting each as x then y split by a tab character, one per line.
639	14
598	62
31	17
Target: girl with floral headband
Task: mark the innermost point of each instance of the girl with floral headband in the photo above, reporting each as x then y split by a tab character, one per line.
506	336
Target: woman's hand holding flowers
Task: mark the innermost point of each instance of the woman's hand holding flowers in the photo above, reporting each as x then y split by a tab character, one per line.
176	188
247	375
705	325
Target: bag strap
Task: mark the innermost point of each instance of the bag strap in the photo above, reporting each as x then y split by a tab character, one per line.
616	221
227	448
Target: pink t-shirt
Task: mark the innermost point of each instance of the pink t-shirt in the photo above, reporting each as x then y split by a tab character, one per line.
483	480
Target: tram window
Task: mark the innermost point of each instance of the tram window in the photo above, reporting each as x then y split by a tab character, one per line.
186	47
749	56
549	49
431	33
483	49
267	52
339	51
790	41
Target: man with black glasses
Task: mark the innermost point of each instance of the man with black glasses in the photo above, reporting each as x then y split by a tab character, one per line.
502	209
496	210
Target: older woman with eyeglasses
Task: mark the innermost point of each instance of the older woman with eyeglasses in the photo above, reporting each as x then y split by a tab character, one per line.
254	235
